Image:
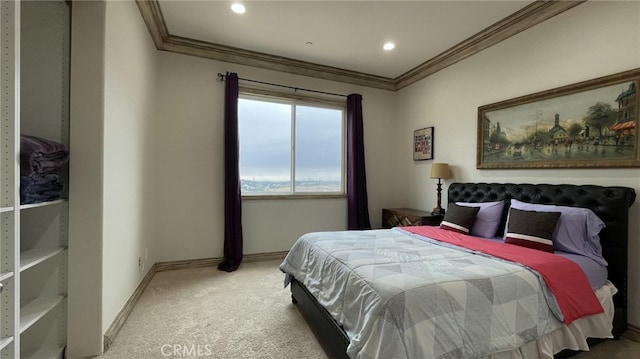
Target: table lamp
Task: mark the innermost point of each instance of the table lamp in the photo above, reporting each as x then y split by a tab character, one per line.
439	171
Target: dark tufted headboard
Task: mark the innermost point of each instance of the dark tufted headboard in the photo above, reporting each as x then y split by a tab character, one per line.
611	204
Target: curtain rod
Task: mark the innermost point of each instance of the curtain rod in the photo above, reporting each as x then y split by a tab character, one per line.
221	78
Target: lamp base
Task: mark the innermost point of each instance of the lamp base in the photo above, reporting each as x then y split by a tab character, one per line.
438	211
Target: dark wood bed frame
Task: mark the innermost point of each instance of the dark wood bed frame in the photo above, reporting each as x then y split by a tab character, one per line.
611	204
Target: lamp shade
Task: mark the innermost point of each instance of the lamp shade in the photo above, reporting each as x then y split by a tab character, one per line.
440	170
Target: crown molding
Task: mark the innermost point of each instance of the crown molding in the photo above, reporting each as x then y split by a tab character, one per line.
153	18
529	16
513	24
225	53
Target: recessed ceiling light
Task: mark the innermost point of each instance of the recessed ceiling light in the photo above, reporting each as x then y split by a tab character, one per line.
238	8
389	46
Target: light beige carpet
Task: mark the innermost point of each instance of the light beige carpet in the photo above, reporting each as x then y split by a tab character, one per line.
206	313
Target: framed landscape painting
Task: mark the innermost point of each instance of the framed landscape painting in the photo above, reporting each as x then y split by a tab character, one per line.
591	124
423	144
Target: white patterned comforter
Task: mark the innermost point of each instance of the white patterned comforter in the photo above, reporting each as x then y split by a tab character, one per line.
398	295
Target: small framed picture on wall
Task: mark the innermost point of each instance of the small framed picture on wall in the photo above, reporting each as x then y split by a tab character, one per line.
423	144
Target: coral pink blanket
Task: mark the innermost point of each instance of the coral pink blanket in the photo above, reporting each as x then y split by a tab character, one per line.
565	279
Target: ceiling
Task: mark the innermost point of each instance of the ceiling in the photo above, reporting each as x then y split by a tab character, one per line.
342	40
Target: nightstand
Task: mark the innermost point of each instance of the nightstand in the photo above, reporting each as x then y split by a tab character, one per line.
403	217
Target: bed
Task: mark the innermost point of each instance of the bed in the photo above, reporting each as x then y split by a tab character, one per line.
549	335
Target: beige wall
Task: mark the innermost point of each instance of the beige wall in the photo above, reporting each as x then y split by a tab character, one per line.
84	325
190	168
163	146
111	188
569	48
129	92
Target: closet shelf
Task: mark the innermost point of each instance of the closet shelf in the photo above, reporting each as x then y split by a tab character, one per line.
35	81
5	276
32	309
5	341
34	257
42	204
46	352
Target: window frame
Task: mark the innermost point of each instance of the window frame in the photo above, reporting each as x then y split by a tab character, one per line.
296	99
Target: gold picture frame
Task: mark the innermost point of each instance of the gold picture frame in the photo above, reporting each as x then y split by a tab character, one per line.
591	124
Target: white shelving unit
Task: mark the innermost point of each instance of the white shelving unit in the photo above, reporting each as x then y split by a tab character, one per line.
33	257
34	309
9	221
34	100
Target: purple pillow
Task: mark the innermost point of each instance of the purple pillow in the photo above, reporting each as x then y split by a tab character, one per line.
488	218
577	230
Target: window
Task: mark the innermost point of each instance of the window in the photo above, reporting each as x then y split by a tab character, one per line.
290	147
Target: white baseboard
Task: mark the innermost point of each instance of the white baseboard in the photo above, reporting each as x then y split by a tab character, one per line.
122	316
212	262
120	319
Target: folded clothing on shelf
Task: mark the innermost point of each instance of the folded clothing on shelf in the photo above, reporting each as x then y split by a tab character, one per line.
41	188
39	155
40	164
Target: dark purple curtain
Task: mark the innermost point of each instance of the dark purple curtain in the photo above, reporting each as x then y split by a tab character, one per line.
357	203
232	198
